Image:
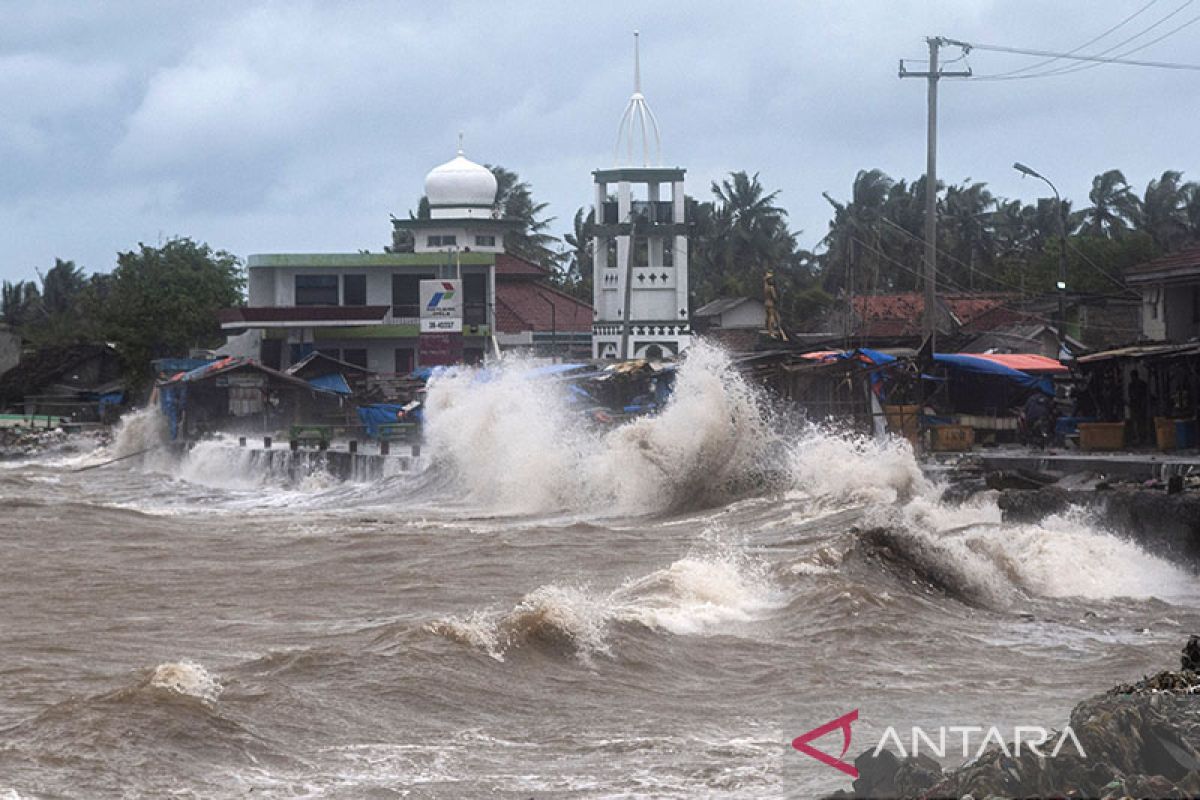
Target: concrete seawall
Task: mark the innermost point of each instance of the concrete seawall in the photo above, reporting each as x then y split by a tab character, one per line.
294	465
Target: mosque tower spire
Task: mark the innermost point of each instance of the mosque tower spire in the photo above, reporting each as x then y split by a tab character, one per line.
638	129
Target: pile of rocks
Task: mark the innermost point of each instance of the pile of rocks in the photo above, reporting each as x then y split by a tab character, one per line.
1140	740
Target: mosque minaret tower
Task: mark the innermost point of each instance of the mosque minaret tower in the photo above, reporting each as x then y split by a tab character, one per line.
639	242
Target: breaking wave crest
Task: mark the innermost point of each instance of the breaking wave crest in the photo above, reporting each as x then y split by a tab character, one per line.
138	431
186	678
968	553
966	550
695	595
514	444
834	468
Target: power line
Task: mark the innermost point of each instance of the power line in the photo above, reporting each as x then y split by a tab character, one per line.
1075	57
1091	41
1143	46
1000	304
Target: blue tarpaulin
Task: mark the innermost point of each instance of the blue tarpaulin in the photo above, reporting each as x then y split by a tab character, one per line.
982	366
375	416
333	382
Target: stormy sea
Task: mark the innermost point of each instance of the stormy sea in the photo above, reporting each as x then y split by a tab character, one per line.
537	608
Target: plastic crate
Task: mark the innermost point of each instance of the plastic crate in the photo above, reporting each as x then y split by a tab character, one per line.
1164	433
950	438
1102	435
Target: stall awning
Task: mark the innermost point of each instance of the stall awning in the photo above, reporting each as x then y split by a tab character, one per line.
1025	362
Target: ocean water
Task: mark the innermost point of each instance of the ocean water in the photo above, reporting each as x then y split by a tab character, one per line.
538	609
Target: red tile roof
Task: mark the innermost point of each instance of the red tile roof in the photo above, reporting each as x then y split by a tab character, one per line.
510	265
895	315
1171	265
525	305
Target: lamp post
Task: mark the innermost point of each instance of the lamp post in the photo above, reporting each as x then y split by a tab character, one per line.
1061	285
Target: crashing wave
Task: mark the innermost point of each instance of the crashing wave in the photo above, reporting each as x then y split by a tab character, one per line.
695	595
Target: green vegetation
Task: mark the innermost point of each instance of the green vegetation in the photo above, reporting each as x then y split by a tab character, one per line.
158	301
876	238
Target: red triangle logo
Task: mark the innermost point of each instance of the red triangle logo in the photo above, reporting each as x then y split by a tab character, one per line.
801	743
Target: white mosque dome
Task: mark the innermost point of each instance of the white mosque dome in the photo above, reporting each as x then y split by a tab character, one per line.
460	182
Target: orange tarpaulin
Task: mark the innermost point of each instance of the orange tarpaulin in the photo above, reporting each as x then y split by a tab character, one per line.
1025	362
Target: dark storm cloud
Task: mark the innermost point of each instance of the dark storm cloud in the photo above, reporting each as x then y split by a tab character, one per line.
301	126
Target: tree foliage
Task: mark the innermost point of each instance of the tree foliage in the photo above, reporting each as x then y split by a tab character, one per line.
875	240
158	301
164	300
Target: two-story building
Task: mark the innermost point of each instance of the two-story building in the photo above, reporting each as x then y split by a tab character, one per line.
1170	289
365	308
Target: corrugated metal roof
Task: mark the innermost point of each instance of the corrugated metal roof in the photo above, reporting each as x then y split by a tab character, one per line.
1142	351
719	306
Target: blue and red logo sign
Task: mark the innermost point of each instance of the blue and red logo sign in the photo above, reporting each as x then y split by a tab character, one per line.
446	294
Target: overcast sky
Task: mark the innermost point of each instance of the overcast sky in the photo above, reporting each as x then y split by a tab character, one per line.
299	127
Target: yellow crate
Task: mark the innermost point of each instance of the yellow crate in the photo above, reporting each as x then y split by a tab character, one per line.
948	438
1102	435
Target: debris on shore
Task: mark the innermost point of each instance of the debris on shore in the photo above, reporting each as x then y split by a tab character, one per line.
1141	739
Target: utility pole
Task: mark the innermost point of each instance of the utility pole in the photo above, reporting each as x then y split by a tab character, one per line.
933	75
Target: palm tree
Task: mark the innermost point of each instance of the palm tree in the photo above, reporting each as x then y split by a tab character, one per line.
1114	207
1164	211
514	200
854	240
576	277
1192	210
970	237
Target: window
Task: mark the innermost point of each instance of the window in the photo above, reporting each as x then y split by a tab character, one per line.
272	353
441	241
405	360
355	356
298	351
354	290
316	290
406	295
485	241
474	299
330	352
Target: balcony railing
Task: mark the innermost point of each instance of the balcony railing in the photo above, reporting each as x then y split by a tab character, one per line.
657	212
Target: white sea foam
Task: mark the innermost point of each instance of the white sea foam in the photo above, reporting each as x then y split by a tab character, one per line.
514	445
1064	555
842	468
967	547
186	678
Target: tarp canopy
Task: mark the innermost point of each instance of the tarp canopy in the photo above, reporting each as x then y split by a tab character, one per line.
333	382
975	382
374	417
981	365
1024	362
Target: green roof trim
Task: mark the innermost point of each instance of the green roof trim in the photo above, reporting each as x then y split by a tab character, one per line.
639	174
368	332
359	260
387	332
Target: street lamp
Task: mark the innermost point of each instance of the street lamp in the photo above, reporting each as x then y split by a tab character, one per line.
1061	285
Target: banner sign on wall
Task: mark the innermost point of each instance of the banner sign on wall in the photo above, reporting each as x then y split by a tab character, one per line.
441	306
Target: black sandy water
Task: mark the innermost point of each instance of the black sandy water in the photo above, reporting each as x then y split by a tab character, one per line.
538	611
